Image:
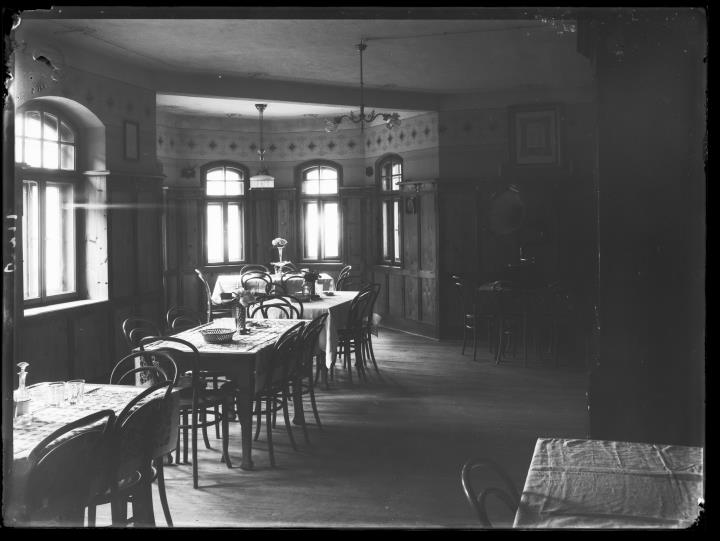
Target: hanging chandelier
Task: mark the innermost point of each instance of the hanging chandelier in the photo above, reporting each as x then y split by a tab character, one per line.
263	178
391	120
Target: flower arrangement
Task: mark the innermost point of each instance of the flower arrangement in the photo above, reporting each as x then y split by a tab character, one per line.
244	296
311	275
279	242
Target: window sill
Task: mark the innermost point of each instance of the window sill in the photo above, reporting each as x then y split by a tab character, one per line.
41	310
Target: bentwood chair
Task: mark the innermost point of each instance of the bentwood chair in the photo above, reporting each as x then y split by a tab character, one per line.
344	272
253	267
135	328
350	337
66	470
369	327
272	385
258	282
287	307
302	379
180	318
144	432
212	309
293	282
196	402
478	499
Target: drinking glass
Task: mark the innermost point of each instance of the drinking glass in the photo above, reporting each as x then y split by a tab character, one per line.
57	393
75	391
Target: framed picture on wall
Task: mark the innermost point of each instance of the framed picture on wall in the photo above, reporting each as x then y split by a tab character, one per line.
132	143
535	135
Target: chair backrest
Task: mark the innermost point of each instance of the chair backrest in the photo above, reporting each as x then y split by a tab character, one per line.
135	328
358	309
208	293
293	282
478	499
145	368
146	429
309	346
176	347
67	470
276	290
286	307
348	283
256	281
282	359
253	267
180	318
375	292
344	272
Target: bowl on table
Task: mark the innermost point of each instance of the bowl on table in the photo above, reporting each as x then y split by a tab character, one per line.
217	335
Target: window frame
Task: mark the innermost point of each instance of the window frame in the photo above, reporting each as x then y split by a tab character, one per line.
388	198
321	200
44	176
225	201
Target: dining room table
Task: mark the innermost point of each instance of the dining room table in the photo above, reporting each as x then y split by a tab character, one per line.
230	282
43	418
598	484
239	359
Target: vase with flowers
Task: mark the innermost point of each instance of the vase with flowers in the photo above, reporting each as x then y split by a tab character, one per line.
243	299
279	243
310	277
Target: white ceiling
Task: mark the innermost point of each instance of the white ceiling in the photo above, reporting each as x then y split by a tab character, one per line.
438	56
243	108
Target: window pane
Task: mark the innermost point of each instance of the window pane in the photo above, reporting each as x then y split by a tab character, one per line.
312	226
33	152
215	187
396	168
50	155
396	228
59	264
233	187
328	173
331	230
19	125
395	180
215	233
67	157
235	230
385	239
328	186
66	133
18	149
32	124
50	130
232	174
31	240
311	187
216	174
312	173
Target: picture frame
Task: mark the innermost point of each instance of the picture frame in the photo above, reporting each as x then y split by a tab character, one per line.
535	135
132	140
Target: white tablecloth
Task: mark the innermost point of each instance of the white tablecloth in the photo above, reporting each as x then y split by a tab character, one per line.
227	283
611	484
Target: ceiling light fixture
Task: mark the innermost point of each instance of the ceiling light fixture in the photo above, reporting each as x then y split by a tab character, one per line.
392	120
262	179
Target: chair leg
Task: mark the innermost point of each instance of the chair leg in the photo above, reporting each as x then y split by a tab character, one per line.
314	405
194	447
225	420
372	352
286	416
204	429
301	412
142	503
161	488
258	408
268	429
185	437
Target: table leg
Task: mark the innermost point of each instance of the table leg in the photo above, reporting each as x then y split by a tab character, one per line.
245	408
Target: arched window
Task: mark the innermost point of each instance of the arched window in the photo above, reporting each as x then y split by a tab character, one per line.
390	174
320	210
46	150
225	188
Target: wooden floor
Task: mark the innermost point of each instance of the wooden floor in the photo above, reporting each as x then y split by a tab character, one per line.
391	449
